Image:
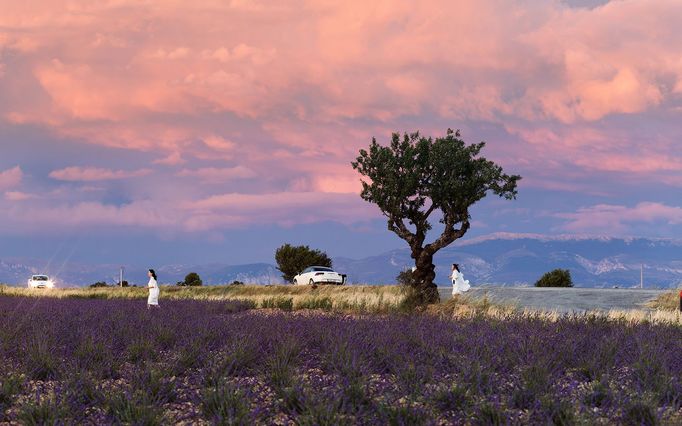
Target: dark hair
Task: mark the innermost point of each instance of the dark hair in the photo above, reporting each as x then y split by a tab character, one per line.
151	271
456	266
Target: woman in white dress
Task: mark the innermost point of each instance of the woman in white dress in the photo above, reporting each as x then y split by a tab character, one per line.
153	286
459	284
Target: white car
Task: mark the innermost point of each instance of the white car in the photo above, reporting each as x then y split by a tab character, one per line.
40	281
318	275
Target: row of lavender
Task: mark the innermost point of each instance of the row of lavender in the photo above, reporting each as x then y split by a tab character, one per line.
100	361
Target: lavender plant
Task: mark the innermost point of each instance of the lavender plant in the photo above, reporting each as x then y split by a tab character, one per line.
74	361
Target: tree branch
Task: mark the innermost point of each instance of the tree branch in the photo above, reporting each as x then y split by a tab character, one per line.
398	226
449	235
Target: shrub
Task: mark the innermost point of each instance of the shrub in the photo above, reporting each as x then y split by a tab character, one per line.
489	414
556	278
641	414
404	278
10	386
291	260
236	282
46	410
98	284
192	280
452	398
41	362
226	404
131	409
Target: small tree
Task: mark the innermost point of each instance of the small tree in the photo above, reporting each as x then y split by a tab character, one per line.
555	278
193	280
415	177
291	260
99	284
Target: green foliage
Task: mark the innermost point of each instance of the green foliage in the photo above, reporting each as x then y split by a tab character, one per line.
323	303
10	386
99	284
291	260
414	177
283	303
226	404
556	278
641	414
132	409
46	410
192	280
405	278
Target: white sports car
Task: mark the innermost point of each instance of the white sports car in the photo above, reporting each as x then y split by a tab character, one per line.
40	281
318	275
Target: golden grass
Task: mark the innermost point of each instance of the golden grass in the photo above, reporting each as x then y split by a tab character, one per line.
360	299
354	298
668	301
464	306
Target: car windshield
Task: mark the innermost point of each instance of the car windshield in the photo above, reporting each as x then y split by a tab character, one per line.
322	269
39	278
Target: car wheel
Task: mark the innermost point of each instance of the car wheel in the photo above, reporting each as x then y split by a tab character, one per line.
312	282
295	282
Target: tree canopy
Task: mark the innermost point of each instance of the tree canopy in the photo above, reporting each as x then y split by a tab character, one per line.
193	280
555	278
415	177
291	260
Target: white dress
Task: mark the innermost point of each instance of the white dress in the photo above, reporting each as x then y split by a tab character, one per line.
459	284
153	287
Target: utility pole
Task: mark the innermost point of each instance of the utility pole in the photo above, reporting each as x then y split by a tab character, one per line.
641	276
120	277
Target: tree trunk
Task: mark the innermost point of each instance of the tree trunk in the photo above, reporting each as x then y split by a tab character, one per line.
425	290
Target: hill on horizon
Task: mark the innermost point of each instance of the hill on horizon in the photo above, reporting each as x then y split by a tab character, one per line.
495	259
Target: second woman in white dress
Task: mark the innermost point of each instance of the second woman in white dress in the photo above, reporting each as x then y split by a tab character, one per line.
153	286
459	284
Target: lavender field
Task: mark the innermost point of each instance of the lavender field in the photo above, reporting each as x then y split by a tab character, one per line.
79	361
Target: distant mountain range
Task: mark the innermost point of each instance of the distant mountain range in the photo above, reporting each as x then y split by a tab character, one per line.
496	259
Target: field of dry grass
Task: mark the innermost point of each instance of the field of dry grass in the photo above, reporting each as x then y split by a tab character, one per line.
357	299
669	301
285	297
461	307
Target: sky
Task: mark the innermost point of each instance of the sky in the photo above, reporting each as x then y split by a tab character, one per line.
170	131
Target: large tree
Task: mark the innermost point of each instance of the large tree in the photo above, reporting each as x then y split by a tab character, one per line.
416	177
291	260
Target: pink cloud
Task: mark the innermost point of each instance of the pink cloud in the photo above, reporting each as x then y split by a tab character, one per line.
217	212
90	174
562	63
284	208
616	218
87	214
18	196
217	175
10	178
172	159
221	84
